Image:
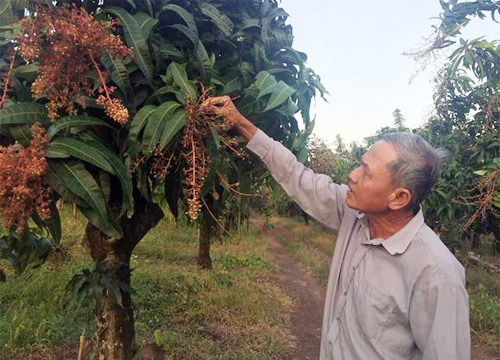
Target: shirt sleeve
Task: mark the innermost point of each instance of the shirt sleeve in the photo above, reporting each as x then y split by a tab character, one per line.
439	319
315	193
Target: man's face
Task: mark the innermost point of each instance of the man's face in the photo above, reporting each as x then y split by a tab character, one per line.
370	184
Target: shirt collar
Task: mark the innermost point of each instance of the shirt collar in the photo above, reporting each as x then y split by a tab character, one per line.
398	242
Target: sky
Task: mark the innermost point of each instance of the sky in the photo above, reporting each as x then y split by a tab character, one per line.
357	47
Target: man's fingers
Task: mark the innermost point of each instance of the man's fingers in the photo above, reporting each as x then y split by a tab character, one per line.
216	102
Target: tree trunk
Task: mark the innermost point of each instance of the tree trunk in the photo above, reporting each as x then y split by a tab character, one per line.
204	234
115	323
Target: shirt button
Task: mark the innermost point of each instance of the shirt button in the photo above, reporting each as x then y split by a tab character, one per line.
345	293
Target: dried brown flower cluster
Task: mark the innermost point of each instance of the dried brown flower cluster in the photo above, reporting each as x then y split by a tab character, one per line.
68	42
22	171
163	161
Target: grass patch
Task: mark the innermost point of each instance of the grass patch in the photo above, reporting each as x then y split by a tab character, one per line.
35	310
484	296
231	312
234	311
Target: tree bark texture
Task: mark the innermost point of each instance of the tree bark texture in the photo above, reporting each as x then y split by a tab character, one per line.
204	235
115	323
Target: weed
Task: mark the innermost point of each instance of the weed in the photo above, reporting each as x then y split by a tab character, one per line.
485	311
229	262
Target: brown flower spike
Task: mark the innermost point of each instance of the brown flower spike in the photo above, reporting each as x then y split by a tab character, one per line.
22	172
68	42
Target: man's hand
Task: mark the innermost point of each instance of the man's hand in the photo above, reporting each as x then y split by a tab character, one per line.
223	106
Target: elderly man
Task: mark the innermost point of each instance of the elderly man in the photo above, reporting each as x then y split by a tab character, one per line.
394	290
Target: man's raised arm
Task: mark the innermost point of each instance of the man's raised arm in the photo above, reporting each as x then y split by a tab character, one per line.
316	194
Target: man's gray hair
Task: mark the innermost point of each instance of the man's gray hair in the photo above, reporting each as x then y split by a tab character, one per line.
417	167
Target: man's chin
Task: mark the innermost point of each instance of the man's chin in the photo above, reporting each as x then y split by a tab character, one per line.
351	204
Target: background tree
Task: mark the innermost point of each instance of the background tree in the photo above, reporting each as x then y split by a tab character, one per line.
399	120
466	203
398	125
115	87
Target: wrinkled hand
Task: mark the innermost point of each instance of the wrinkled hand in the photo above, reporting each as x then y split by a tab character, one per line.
224	106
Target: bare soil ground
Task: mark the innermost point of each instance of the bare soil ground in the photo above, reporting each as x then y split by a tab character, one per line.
308	298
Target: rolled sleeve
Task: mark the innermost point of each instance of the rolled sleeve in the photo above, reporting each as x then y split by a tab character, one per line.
315	193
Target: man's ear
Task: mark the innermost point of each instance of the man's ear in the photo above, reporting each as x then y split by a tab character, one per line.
399	199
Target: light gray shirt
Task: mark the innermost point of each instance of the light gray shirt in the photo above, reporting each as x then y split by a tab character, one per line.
399	298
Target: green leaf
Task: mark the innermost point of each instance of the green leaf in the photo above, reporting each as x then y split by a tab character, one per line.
122	173
249	23
232	84
98	155
172	127
265	82
21	134
57	183
223	22
6	13
26	72
169	51
52	225
112	230
137	124
179	74
81	183
72	121
187	32
83	151
156	125
146	23
281	93
119	75
204	61
303	155
185	15
136	40
24	113
215	137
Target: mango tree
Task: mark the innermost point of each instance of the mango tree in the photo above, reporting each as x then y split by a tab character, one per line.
467	99
100	108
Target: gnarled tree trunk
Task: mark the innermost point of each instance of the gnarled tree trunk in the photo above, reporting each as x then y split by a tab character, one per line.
115	323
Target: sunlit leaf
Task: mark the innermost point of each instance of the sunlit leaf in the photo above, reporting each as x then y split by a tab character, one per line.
223	22
180	76
156	125
81	183
135	39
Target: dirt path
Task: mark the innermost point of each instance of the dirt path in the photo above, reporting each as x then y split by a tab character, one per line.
307	295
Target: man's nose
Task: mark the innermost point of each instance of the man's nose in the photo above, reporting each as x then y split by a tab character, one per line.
352	177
